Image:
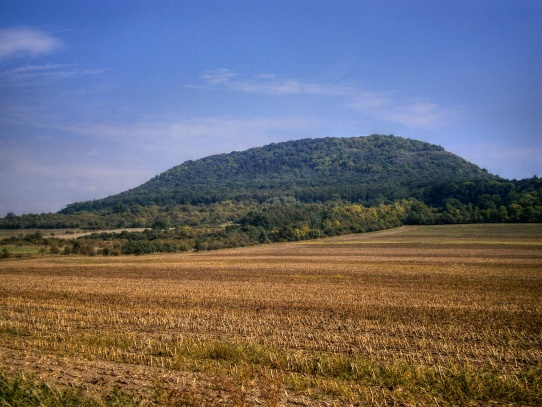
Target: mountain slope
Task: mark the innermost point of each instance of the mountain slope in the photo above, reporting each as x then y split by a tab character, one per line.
369	170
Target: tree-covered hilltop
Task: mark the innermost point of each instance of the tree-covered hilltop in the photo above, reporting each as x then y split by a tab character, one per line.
291	191
367	170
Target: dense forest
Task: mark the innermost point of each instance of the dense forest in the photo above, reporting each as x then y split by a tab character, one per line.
367	170
291	191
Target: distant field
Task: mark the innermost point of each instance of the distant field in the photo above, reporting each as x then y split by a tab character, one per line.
61	233
20	249
439	315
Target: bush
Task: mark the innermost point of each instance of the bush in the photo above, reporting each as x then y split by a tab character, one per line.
6	254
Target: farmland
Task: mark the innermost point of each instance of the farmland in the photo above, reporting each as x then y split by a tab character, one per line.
424	315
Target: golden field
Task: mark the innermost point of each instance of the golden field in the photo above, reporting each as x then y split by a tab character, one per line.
425	315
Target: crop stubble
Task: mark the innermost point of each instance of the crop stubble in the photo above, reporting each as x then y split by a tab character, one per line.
418	315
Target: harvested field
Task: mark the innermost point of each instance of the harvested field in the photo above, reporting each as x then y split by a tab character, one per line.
436	315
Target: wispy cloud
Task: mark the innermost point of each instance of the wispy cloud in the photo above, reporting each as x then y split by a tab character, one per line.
409	112
270	84
26	41
30	74
386	106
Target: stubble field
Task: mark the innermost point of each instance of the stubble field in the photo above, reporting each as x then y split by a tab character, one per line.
440	315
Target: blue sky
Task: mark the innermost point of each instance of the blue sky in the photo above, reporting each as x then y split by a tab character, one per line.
97	97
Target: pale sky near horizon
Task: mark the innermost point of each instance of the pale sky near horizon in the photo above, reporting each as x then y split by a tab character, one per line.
97	97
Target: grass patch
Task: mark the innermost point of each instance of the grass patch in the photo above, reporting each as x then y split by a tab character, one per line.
20	249
22	391
337	375
14	331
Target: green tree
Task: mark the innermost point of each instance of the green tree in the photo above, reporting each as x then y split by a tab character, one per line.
419	214
160	224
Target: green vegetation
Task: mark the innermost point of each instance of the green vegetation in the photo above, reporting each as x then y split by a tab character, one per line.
366	170
290	191
270	224
21	391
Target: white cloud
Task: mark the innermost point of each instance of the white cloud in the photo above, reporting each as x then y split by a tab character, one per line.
218	76
412	113
34	71
384	106
25	41
270	84
40	74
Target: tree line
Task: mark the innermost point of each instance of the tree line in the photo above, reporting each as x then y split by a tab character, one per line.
460	202
285	219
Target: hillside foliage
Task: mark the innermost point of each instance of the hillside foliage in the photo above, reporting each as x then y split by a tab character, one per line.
367	170
291	191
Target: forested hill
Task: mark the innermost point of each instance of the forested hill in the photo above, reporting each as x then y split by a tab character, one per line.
367	170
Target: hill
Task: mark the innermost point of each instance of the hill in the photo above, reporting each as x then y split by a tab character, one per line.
368	170
290	191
